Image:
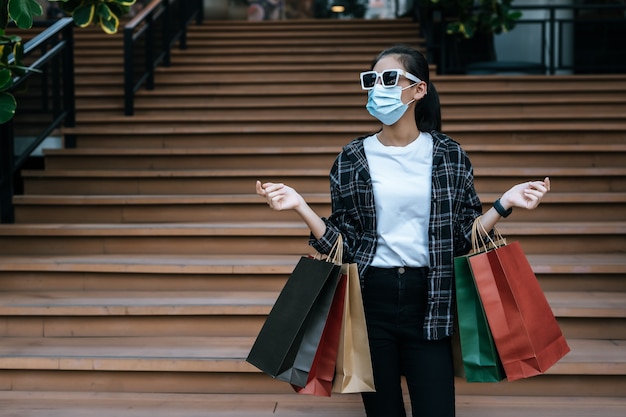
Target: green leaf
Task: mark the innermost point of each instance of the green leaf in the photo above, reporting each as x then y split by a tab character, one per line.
83	15
104	11
6	79
7	107
23	11
108	20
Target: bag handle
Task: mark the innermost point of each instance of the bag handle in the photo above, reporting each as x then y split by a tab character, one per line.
481	239
336	252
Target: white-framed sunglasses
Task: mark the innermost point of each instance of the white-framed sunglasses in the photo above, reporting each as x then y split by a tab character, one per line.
388	77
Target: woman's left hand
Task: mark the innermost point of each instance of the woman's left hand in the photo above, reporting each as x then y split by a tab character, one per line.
527	195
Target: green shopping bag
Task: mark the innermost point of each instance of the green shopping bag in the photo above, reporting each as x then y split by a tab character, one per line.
481	362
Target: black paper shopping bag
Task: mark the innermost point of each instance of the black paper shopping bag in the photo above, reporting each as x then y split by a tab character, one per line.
312	282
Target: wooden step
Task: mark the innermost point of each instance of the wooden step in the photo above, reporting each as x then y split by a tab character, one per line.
588	304
199	121
222	81
141	209
184	272
591	304
501	89
161	100
232	207
224	313
345	94
495	131
269	238
347	115
225	354
257	383
170	303
222	181
274	136
583	272
319	27
98	404
265	157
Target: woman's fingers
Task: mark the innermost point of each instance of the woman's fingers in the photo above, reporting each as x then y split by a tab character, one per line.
275	195
535	191
268	187
259	189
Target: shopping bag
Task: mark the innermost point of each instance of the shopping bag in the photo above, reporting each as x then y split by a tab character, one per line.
526	333
353	372
276	347
315	325
313	330
479	356
322	372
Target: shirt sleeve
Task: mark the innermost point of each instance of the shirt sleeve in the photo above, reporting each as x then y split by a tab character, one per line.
342	220
471	209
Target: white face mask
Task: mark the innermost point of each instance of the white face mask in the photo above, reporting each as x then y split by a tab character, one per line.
386	104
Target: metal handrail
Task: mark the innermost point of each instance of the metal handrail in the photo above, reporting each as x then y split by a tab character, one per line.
149	37
56	65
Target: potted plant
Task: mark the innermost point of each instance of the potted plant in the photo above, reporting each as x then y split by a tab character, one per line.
460	32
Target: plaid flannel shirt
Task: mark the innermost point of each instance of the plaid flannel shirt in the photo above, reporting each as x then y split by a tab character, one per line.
454	206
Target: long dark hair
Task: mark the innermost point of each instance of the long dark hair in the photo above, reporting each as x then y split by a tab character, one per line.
428	109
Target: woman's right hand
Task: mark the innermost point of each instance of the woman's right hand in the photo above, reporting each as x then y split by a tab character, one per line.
279	196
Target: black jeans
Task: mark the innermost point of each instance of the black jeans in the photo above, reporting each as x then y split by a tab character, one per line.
395	301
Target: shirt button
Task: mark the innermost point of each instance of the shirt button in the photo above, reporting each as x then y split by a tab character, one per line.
401	270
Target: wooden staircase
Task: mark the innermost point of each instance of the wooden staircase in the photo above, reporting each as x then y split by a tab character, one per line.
142	265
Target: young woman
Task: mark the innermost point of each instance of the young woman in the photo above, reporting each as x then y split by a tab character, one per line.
404	201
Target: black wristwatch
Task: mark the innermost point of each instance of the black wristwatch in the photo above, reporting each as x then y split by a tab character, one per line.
501	211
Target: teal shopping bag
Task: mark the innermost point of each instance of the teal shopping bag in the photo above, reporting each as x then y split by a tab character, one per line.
481	362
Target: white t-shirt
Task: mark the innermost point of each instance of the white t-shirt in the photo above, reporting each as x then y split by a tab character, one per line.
401	178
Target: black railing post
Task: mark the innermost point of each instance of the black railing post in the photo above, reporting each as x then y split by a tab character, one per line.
167	33
129	71
183	17
200	11
174	15
6	173
69	86
149	51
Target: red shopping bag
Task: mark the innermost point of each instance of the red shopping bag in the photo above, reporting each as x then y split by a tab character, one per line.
322	372
526	333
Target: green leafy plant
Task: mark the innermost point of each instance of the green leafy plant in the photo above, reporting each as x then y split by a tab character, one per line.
469	17
106	13
22	13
